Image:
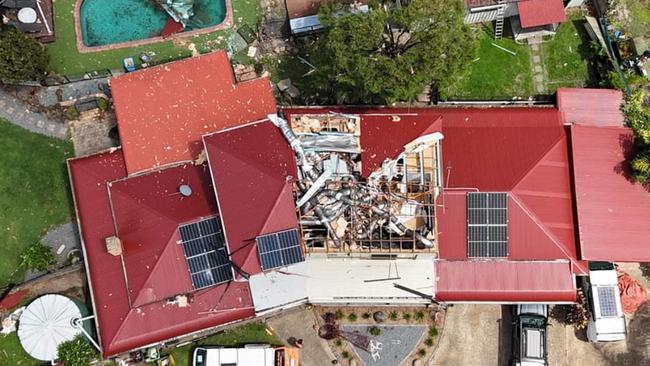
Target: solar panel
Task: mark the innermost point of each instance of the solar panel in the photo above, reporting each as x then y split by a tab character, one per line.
487	224
205	252
607	300
279	249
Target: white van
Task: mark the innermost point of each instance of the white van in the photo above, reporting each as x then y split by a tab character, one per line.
249	355
607	323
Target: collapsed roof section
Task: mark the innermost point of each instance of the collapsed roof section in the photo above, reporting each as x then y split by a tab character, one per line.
366	183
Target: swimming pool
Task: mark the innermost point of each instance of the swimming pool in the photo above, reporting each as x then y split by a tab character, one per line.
105	22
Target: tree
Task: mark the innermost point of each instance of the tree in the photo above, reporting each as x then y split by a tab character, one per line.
77	352
37	257
21	57
638	118
394	52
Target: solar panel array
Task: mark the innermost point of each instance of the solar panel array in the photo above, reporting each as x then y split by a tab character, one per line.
487	224
607	300
279	249
206	254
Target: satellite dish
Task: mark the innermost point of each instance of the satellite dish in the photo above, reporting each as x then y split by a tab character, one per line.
46	323
185	190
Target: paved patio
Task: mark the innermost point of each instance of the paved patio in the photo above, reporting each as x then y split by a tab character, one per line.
396	343
16	112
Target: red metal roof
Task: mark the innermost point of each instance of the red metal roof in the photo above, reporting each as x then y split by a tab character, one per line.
303	8
142	207
613	212
253	169
534	13
597	107
163	111
522	151
504	281
480	3
384	136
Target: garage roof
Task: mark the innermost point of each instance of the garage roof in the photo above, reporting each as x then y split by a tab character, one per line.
534	13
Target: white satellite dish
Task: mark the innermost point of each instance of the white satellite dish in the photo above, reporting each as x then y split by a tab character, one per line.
45	324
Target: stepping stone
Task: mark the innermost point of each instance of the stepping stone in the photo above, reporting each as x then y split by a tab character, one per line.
537	59
539	79
538	69
535	47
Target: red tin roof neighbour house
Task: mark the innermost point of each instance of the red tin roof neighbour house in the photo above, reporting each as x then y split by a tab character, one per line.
504	281
130	292
535	13
163	111
253	169
598	107
304	8
613	212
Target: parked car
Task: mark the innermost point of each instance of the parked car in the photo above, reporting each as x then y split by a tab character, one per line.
530	338
249	355
606	322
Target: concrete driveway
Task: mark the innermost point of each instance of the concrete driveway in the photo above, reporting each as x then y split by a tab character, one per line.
475	335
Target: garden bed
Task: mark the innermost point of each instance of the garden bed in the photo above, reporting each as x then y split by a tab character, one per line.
384	324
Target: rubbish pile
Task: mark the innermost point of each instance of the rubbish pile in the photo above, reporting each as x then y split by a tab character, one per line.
340	210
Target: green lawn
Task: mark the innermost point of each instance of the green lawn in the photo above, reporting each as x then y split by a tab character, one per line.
66	59
34	192
246	334
12	353
495	74
566	57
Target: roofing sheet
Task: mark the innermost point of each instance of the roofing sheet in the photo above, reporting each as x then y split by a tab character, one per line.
253	169
613	212
163	111
504	281
123	327
303	8
597	107
534	13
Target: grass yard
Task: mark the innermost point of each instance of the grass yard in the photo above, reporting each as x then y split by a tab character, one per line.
65	58
34	193
495	74
12	353
566	57
245	334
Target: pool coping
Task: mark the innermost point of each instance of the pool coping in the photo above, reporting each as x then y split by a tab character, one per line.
227	22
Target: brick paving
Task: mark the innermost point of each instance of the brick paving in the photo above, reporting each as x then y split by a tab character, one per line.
16	112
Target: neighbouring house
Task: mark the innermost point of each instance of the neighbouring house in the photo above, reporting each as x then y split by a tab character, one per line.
527	18
217	208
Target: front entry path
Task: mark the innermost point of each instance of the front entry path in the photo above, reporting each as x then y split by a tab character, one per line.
16	112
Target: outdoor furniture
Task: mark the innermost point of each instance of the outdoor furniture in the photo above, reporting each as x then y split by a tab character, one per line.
18	4
27	15
129	64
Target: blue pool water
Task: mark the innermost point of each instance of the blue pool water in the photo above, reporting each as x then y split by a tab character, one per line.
113	21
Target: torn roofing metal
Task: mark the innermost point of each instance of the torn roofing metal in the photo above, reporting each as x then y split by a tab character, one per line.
163	111
131	301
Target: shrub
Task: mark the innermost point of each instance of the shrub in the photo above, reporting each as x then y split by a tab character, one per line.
375	331
102	103
338	342
419	315
352	317
433	331
346	354
71	113
23	58
392	315
366	315
339	314
406	316
428	342
77	352
422	352
37	257
578	316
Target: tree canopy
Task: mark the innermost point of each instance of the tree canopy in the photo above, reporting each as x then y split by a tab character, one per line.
21	57
638	118
77	352
393	52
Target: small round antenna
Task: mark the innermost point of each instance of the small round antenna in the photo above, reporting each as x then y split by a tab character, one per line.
185	190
